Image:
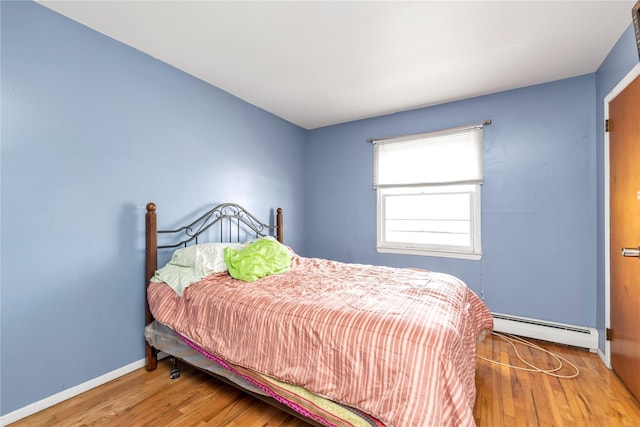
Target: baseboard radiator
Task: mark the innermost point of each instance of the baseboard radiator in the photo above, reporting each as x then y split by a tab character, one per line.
560	333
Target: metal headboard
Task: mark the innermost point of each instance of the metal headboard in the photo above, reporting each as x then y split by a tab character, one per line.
230	217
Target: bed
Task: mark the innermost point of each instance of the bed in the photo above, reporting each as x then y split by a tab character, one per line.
332	343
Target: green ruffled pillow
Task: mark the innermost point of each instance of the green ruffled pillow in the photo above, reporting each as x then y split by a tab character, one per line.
258	259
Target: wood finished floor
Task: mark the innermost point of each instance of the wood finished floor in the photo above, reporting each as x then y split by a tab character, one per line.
505	397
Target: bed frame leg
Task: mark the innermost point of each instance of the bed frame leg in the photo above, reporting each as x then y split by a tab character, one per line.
151	358
175	371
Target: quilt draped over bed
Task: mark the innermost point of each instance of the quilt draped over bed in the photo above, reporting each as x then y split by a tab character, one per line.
397	343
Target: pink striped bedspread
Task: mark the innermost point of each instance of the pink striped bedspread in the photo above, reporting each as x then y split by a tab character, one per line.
398	344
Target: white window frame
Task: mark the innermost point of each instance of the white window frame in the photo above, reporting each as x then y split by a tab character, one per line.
472	250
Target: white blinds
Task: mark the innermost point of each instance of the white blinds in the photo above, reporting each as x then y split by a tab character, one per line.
444	157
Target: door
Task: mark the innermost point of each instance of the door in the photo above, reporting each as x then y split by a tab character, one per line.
624	181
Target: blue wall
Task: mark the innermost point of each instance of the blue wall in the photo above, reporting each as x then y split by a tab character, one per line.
92	130
622	58
538	197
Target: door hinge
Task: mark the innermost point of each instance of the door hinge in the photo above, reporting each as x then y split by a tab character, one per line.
607	125
608	334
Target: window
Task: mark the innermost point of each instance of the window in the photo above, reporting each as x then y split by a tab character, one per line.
428	193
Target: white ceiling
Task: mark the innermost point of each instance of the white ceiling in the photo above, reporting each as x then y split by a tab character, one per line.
327	62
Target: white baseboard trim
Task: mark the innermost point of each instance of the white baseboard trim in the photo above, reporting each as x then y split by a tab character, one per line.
603	357
47	402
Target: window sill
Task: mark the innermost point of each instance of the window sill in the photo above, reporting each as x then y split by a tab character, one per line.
432	253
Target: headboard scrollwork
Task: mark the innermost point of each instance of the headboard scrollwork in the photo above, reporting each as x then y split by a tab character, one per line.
232	220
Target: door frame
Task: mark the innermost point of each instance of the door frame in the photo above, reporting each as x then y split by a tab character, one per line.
622	85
